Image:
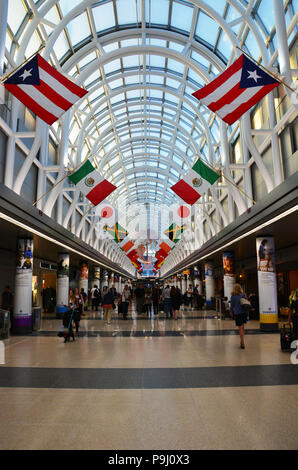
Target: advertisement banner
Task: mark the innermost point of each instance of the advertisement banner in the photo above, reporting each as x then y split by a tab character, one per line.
83	276
267	281
62	280
23	285
209	283
229	273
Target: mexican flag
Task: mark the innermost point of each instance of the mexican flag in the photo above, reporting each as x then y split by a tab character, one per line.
88	180
195	183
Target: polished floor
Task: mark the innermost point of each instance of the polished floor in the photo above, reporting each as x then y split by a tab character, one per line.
148	384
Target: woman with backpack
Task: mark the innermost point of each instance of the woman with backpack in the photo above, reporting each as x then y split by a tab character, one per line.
238	302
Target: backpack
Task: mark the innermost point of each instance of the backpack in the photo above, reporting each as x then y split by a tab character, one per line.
97	294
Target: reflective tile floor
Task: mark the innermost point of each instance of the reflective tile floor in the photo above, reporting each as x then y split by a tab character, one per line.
148	383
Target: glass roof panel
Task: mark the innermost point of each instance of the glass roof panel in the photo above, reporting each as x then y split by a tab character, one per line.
158	12
16	15
79	29
206	28
181	16
104	17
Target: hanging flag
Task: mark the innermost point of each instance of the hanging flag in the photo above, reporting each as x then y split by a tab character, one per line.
174	232
88	180
107	212
132	255
126	245
161	254
117	232
236	90
43	89
167	246
195	183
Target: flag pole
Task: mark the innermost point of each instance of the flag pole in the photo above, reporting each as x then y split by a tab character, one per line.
18	66
206	213
239	189
268	71
222	174
60	181
84	215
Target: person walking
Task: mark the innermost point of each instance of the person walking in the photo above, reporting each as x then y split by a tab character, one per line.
79	309
189	296
7	303
148	301
176	301
68	317
140	298
155	299
239	312
293	313
107	303
125	298
95	297
166	295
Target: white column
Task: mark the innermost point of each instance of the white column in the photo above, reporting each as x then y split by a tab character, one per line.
3	25
22	311
62	282
282	43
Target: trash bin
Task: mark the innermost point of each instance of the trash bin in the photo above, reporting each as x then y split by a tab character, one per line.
36	318
4	324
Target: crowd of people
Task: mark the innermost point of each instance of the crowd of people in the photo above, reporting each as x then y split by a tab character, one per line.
150	301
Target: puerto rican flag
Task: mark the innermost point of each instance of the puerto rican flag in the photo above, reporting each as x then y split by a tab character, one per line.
236	90
43	90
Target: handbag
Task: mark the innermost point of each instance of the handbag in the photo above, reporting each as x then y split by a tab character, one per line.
245	304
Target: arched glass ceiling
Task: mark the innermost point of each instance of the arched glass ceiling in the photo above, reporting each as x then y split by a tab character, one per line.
141	60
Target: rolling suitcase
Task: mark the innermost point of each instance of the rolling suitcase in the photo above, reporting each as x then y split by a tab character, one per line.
286	337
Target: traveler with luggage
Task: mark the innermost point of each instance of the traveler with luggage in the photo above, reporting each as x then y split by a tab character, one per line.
239	307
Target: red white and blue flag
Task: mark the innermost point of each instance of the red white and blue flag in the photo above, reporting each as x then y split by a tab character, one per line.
43	89
236	90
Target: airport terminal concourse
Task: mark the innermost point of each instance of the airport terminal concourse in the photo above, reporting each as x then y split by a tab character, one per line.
148	226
